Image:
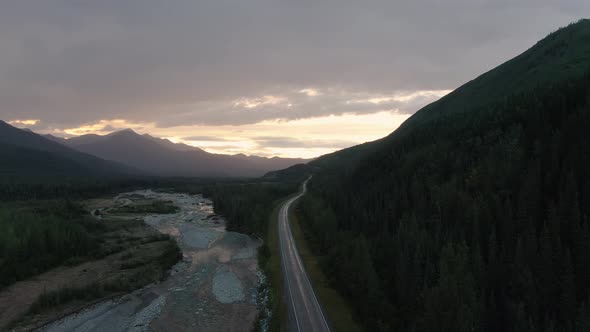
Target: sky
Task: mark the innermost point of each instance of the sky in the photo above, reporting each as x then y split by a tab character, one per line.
291	78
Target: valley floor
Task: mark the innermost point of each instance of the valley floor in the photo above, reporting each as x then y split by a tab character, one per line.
213	288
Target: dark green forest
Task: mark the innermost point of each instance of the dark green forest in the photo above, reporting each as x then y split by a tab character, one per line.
475	219
246	206
41	235
35	187
40	188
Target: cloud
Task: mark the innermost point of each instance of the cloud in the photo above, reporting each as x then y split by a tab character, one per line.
100	127
205	139
310	92
24	122
293	105
288	142
70	63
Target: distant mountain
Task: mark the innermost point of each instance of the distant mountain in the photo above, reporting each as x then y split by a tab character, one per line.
173	146
162	157
474	215
24	153
53	138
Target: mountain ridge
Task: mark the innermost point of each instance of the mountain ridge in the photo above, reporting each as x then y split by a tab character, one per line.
27	153
162	157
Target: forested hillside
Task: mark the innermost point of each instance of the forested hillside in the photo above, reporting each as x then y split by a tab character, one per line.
474	215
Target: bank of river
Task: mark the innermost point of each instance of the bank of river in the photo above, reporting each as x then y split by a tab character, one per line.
213	288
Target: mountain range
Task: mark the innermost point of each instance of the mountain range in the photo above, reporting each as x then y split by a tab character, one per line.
23	152
123	152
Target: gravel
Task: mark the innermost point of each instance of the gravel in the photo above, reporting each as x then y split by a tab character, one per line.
203	292
227	288
198	237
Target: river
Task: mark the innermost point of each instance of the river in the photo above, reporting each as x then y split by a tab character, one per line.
213	288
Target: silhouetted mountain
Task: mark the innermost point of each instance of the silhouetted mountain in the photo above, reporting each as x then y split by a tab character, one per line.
55	138
173	146
162	157
474	215
25	153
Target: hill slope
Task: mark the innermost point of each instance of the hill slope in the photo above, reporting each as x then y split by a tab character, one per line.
473	215
24	153
161	157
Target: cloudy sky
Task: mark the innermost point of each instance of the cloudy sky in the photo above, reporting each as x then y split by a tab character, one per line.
265	77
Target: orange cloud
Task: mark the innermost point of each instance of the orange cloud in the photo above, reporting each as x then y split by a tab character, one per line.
29	122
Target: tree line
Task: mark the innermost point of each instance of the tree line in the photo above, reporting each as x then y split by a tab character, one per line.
37	237
247	206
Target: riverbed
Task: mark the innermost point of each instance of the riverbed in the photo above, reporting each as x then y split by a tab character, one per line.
213	288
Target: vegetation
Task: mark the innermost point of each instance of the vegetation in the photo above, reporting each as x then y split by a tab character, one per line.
41	226
474	215
50	300
39	187
247	206
253	208
161	207
269	261
336	306
34	239
72	188
39	235
143	263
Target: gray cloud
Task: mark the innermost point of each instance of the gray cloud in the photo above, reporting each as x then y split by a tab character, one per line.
109	128
71	62
292	105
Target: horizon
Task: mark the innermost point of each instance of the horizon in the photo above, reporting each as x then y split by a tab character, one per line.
208	143
148	134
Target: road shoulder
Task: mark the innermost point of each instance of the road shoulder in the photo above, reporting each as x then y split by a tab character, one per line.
273	269
335	306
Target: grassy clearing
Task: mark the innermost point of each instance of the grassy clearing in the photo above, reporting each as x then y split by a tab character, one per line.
270	262
157	206
146	269
339	311
52	299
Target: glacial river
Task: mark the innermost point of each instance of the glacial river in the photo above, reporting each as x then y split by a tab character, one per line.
213	288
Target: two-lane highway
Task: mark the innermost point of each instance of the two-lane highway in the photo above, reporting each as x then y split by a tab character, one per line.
305	312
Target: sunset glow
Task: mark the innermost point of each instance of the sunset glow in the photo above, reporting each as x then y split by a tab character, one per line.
305	138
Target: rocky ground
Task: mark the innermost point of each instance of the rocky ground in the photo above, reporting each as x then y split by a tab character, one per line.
214	287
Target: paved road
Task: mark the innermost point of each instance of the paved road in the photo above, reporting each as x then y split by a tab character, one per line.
305	312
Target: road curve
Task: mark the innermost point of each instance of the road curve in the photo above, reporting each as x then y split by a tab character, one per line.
305	312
